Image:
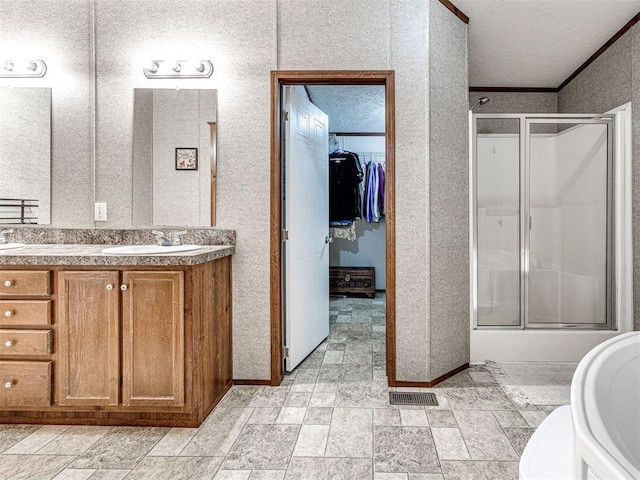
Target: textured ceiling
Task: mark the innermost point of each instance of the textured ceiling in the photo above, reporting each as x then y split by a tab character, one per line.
537	43
351	108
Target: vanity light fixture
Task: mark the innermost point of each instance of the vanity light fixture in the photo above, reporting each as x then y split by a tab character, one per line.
28	69
179	69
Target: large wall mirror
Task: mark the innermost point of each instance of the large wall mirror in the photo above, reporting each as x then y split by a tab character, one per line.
25	156
174	157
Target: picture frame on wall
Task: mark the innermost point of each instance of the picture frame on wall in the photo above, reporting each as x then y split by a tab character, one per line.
186	158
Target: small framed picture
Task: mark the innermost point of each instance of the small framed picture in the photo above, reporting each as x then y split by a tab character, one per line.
186	158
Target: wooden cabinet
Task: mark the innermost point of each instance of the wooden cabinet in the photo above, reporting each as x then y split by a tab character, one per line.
88	321
352	281
115	345
153	338
25	338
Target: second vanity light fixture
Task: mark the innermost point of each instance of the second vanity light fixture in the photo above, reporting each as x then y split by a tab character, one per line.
178	69
22	69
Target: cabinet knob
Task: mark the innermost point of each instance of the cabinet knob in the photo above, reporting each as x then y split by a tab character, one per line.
123	287
8	313
8	384
8	283
8	343
347	277
109	287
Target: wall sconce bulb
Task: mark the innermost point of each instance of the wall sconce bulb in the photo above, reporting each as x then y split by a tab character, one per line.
200	67
23	69
177	67
8	66
32	66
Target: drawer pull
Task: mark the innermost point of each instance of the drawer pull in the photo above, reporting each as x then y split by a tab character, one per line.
8	384
8	313
8	283
109	287
9	343
123	287
347	278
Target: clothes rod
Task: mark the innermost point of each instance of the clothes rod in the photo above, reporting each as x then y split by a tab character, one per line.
357	134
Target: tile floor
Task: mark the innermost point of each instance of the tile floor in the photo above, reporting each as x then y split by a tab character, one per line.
330	419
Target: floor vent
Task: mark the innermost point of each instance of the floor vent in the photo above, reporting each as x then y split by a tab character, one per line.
410	398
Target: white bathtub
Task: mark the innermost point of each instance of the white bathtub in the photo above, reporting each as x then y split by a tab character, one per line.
597	437
605	409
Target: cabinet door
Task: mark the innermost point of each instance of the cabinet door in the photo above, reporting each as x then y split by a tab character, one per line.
153	339
87	336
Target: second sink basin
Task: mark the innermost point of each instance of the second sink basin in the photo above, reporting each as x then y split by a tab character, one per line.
6	246
148	249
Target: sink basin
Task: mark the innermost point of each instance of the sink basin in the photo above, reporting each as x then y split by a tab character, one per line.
6	246
148	249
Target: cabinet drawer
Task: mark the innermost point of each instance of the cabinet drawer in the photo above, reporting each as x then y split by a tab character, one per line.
25	384
25	312
25	342
22	283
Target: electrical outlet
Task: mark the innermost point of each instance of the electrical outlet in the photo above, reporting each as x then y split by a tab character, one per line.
101	212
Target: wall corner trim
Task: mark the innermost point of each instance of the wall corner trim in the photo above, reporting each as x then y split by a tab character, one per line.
455	10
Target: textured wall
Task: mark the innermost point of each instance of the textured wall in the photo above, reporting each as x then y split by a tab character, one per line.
239	38
448	192
57	31
610	81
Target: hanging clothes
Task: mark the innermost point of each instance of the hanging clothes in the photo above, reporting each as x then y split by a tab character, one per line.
345	174
373	194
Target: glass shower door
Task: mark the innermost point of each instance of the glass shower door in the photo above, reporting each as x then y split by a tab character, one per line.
497	219
567	239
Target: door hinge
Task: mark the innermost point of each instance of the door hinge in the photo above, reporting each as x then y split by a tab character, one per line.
285	235
286	352
286	116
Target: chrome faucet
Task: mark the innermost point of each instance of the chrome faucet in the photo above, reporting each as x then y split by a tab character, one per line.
4	239
161	238
176	237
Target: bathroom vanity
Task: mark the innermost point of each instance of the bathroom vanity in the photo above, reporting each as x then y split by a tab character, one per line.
92	338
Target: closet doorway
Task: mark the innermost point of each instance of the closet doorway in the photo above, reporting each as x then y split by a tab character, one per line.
282	84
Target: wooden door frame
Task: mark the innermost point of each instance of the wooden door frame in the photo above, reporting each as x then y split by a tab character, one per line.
330	77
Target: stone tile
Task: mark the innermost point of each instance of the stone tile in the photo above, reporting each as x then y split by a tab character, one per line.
482	377
449	444
405	449
471	470
318	416
425	476
173	442
462	379
291	415
75	474
509	418
32	467
176	468
390	476
386	416
121	447
218	433
326	386
12	434
378	374
312	441
478	398
413	418
484	437
321	399
36	440
297	399
263	447
267	475
264	415
351	433
110	474
441	419
519	437
533	418
232	475
354	394
333	357
343	317
336	346
271	396
548	409
238	396
75	440
301	468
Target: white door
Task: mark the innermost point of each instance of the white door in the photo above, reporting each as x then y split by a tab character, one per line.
306	218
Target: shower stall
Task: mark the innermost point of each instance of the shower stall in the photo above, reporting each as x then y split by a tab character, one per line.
549	229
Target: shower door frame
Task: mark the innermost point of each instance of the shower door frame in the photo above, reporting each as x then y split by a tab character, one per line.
524	135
